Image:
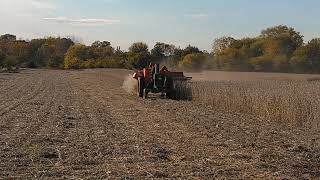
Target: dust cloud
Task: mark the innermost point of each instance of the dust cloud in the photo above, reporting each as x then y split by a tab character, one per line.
129	84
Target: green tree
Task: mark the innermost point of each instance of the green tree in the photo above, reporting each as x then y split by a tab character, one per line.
230	59
270	51
161	51
190	50
10	62
54	50
267	63
173	60
17	52
8	38
221	44
193	62
55	61
119	58
37	59
2	58
101	52
89	63
76	56
99	44
49	52
21	51
138	55
307	58
288	38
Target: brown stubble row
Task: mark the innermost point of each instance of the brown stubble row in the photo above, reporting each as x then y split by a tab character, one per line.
295	103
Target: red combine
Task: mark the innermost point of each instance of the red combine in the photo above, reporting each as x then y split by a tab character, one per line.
174	85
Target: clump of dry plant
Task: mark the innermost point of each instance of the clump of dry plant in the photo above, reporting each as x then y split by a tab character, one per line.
294	102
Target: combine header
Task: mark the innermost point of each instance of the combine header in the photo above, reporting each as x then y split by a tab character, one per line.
173	85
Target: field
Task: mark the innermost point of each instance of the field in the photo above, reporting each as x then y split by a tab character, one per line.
84	125
290	99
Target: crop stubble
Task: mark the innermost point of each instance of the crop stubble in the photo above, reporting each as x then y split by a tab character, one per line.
82	124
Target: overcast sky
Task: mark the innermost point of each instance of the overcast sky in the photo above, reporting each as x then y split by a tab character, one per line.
180	22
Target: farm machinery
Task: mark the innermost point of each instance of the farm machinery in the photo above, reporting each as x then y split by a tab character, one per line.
173	85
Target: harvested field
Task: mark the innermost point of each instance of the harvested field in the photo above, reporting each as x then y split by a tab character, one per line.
84	125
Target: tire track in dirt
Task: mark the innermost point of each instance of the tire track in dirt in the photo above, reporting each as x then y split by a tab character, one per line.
25	97
33	90
8	81
47	142
21	131
13	93
14	83
98	121
23	91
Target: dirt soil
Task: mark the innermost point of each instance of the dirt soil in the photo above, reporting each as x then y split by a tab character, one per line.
83	125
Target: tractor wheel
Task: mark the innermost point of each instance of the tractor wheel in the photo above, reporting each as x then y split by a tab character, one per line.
181	90
140	86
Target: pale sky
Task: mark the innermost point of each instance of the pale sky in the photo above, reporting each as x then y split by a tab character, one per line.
179	22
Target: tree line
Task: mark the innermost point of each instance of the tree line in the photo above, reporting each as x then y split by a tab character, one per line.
276	49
